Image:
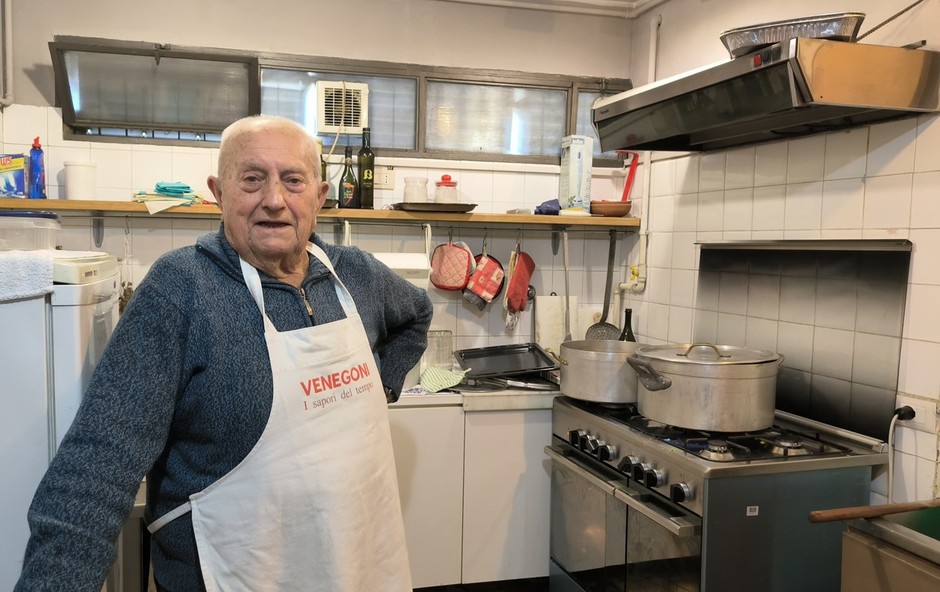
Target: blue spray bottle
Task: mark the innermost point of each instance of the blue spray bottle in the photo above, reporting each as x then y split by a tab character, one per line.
37	172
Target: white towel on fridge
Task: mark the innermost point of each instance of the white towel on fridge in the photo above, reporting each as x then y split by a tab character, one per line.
25	274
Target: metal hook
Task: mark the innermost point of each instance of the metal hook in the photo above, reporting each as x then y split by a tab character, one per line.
485	234
127	225
427	239
450	234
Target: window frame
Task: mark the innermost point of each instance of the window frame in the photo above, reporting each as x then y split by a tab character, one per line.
257	61
60	45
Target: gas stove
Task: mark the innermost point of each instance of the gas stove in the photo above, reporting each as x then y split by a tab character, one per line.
675	461
668	499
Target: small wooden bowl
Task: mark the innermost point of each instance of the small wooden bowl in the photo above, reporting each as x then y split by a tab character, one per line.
610	208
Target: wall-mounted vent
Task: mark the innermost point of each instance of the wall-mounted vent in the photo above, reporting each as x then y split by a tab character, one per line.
342	107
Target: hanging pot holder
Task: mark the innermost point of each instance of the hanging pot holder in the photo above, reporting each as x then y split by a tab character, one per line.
451	266
486	282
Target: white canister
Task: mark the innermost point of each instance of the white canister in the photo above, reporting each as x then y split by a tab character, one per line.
80	180
446	192
416	190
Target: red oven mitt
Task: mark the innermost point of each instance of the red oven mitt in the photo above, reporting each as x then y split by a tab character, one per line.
517	291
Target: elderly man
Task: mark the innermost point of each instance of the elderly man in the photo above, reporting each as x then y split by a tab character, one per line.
247	379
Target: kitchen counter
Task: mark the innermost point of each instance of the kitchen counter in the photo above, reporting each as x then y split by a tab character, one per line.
504	400
892	553
916	532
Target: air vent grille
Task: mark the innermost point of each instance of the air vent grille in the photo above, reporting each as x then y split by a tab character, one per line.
342	107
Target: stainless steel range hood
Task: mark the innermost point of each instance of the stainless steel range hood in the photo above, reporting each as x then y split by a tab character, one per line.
792	88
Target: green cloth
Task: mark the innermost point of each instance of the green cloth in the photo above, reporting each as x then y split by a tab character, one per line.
436	379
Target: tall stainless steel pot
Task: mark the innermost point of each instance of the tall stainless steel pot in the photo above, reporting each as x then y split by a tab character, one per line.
597	371
708	387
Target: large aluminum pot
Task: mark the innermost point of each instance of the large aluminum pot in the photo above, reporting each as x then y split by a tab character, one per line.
597	371
708	387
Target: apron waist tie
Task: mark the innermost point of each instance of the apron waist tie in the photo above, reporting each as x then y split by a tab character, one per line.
169	517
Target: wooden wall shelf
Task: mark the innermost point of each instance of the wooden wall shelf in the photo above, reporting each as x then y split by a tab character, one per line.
117	208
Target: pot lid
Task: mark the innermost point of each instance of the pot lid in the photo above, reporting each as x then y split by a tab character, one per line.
707	353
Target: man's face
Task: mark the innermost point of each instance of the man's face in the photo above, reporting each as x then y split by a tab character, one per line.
270	195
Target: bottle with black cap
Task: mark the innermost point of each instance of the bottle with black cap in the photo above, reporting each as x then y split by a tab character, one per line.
627	333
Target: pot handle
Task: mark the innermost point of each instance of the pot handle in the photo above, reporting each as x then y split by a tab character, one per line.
694	345
649	377
557	357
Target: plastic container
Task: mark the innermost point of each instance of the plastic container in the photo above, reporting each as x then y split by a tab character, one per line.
28	231
446	191
80	180
416	190
37	172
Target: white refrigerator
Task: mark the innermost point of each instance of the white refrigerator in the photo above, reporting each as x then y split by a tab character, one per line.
49	346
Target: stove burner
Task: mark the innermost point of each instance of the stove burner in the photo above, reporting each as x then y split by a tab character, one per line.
788	443
718	446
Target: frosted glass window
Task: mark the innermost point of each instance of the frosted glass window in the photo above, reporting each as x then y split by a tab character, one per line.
490	119
130	91
585	127
392	105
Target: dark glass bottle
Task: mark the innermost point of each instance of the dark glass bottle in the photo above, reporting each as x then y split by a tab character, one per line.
366	165
627	333
348	186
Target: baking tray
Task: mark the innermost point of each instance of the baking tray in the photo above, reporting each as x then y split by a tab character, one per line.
505	360
453	208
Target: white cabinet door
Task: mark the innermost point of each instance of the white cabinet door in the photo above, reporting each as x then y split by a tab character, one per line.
428	443
507	485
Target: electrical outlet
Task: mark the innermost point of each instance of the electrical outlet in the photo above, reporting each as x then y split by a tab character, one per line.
925	413
384	177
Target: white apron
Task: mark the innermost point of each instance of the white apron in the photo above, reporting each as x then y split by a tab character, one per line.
314	506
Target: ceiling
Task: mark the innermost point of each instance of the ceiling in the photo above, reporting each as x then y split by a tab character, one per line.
620	8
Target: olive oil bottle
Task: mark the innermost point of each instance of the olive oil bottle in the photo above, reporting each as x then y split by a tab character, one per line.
348	185
366	163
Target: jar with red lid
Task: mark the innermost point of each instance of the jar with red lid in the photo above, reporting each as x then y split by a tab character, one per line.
446	191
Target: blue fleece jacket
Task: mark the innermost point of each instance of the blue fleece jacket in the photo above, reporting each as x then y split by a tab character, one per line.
182	394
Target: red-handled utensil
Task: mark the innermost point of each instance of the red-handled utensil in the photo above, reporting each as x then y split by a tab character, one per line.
634	160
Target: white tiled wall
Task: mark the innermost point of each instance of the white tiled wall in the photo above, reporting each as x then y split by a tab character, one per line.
123	169
873	182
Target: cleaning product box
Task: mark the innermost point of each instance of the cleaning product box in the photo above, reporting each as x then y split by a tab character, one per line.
574	187
13	175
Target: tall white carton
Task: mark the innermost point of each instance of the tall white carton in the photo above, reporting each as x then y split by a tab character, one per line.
574	187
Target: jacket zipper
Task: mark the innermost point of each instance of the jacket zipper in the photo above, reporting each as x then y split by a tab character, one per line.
303	295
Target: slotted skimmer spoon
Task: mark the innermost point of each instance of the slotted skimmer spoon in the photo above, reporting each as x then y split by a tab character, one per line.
602	329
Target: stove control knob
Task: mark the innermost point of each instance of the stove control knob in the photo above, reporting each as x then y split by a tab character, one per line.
654	478
680	492
606	451
626	464
639	471
574	437
590	444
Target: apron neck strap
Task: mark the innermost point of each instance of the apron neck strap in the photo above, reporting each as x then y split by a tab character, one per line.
253	281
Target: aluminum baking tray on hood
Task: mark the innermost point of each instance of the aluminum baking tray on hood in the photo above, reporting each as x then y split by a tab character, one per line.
840	26
505	360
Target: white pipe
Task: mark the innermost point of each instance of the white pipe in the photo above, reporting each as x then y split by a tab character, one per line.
637	285
7	99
